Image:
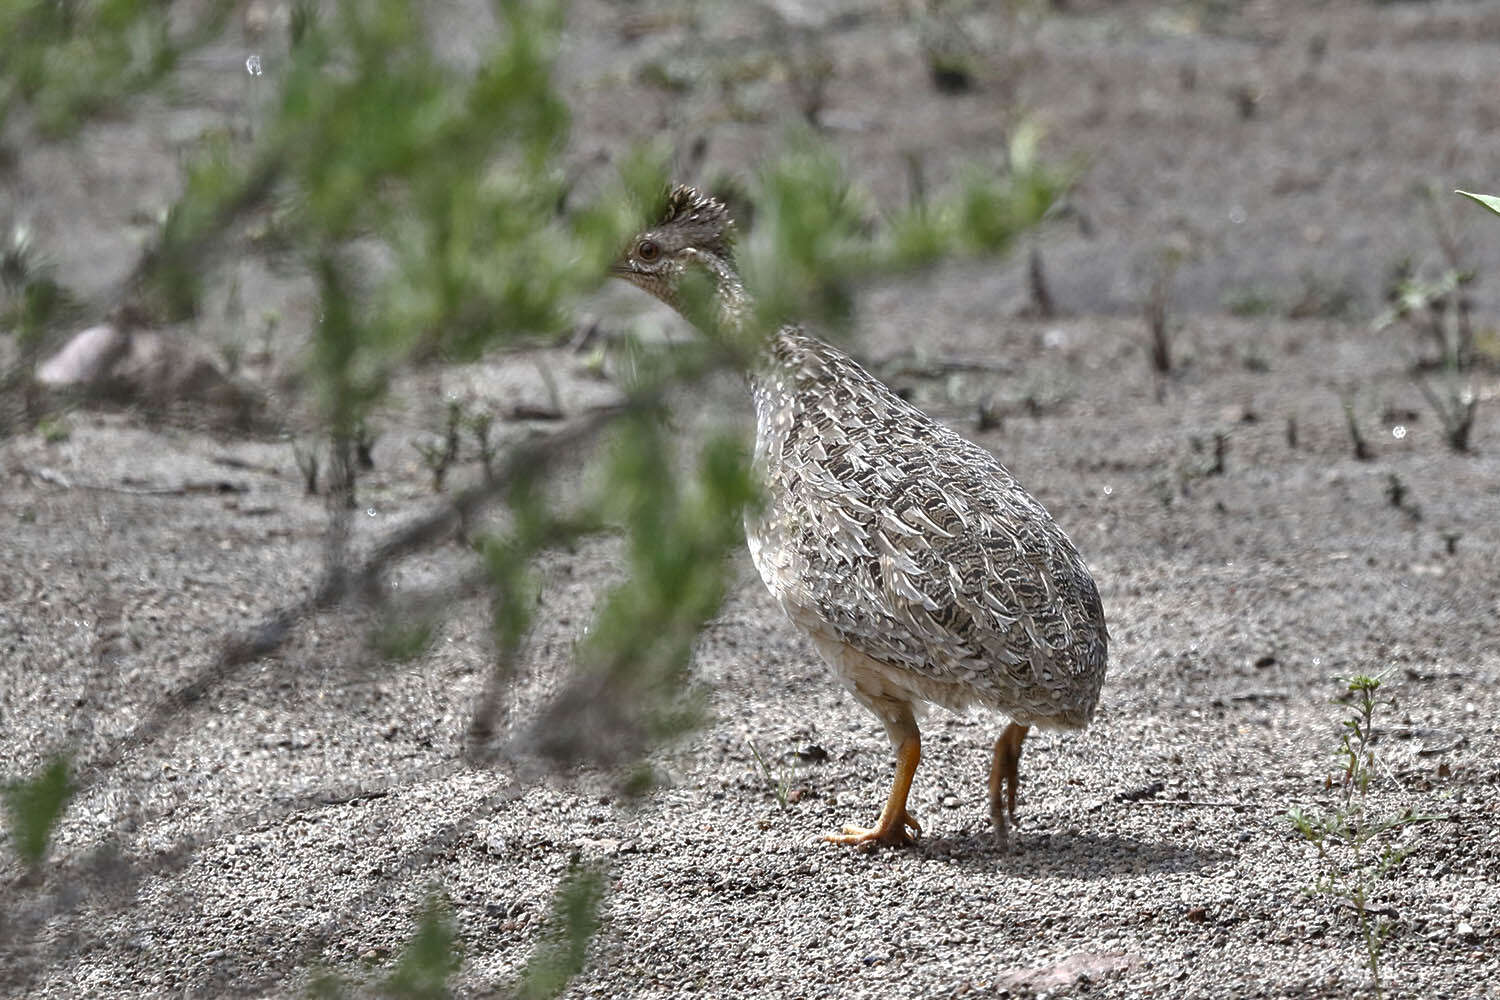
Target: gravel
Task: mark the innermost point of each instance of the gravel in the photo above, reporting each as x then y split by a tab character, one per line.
297	816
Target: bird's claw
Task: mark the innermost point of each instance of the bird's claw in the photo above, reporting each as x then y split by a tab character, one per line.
890	833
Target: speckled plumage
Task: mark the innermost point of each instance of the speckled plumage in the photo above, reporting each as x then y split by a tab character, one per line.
889	533
918	566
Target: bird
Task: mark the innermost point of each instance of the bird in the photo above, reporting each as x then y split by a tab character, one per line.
919	567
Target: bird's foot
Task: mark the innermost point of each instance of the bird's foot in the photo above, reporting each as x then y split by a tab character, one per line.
1005	779
890	832
1002	820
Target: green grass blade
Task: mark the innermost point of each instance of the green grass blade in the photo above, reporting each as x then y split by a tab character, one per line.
1489	201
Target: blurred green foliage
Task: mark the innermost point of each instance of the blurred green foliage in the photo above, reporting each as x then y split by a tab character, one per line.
630	685
33	303
433	954
68	59
372	139
429	206
570	928
33	808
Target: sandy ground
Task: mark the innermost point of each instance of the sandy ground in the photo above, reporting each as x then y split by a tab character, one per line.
298	813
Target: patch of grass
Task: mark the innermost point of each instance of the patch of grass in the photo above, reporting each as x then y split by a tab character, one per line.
779	781
54	429
1353	842
1248	303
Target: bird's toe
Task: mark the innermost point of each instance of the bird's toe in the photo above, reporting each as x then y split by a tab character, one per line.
890	833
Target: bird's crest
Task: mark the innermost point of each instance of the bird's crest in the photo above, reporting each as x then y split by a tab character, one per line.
703	220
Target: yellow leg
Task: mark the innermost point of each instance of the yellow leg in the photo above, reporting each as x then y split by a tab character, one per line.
890	828
1005	778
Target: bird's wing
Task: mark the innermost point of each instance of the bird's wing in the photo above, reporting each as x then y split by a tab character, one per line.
892	534
946	567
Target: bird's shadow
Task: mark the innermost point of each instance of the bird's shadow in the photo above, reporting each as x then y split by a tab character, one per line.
1067	855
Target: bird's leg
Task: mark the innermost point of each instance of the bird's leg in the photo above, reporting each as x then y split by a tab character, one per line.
1004	779
890	828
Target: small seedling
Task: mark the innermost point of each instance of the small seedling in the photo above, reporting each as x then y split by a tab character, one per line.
1156	308
480	425
809	68
1395	491
1436	310
1246	98
779	783
1353	843
440	455
1192	469
54	429
1249	303
343	472
303	18
233	353
269	321
1455	410
1042	305
952	72
990	416
1322	298
306	457
1221	452
364	445
1362	450
1399	496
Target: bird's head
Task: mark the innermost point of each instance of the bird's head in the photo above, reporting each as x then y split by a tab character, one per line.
694	230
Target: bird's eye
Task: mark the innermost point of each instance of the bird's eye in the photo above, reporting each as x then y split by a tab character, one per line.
648	250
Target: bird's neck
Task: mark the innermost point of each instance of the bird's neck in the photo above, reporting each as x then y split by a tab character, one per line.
736	320
732	301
